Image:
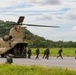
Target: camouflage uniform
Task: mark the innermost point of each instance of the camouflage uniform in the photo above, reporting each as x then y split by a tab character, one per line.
9	59
47	53
44	54
24	53
37	53
75	54
29	53
60	53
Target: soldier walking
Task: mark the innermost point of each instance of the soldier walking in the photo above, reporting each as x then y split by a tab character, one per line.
60	53
75	54
29	53
44	56
47	53
37	53
24	53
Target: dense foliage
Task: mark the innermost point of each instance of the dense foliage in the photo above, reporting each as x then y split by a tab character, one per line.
34	40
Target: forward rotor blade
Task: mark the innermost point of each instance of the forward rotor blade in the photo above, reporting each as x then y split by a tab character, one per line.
40	25
20	20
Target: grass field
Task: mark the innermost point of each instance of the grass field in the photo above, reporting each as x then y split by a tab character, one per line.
54	51
7	69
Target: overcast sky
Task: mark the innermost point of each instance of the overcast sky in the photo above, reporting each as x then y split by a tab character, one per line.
49	12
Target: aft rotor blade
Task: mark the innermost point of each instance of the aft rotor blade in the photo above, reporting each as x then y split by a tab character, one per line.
40	25
20	20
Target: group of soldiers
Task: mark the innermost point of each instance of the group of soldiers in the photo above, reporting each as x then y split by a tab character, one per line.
46	54
28	54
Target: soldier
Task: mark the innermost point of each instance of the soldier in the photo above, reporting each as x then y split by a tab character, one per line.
47	53
29	53
24	53
15	52
60	53
37	53
9	59
75	54
18	51
44	54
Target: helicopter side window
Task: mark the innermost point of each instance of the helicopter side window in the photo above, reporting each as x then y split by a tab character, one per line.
10	37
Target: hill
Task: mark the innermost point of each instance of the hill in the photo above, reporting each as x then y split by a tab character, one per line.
33	40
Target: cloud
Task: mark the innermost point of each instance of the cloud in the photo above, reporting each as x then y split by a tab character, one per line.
71	14
45	16
69	17
45	2
52	1
74	28
12	3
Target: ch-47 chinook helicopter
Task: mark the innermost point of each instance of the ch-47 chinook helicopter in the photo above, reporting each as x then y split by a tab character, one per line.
14	42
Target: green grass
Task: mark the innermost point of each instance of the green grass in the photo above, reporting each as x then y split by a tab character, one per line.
7	69
54	51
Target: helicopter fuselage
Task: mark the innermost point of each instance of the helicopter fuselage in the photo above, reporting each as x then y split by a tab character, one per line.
14	43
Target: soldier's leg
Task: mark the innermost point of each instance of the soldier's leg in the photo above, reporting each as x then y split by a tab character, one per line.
58	56
43	56
25	55
28	55
38	56
46	56
61	57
